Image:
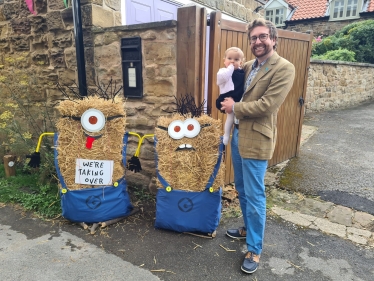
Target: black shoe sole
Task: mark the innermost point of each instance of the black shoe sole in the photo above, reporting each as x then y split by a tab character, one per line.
247	271
235	237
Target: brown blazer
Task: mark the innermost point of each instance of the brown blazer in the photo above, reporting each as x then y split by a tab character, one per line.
257	112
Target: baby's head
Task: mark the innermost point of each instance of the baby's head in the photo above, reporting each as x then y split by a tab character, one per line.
234	56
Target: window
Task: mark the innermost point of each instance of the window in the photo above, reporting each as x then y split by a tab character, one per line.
276	16
343	9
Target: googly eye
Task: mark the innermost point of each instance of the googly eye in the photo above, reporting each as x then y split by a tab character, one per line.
191	128
176	129
93	120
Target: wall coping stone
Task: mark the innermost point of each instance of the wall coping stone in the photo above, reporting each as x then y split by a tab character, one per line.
167	23
341	62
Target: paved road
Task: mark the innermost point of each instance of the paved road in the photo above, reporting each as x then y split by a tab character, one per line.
337	161
31	249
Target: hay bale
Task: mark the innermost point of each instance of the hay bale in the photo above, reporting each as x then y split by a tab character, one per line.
72	137
190	169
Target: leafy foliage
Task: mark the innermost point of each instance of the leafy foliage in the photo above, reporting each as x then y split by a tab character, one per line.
356	37
24	189
339	55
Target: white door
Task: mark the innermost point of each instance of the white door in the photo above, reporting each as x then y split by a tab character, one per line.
143	11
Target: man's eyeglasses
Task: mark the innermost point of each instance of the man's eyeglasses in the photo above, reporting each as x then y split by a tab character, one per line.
262	38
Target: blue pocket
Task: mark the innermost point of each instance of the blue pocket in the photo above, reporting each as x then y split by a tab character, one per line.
100	204
184	211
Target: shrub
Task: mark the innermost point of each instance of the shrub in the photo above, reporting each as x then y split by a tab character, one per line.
339	55
356	37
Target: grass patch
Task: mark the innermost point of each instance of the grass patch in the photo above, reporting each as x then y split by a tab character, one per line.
24	189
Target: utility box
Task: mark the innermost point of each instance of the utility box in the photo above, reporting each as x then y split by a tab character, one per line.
131	53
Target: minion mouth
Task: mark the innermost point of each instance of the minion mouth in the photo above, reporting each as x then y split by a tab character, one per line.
185	146
90	140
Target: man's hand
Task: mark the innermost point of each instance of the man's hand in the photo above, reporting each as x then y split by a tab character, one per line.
227	105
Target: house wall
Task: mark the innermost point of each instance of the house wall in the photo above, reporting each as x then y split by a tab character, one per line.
333	85
241	9
321	27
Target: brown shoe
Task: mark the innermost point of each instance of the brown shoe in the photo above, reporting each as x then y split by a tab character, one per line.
250	263
237	233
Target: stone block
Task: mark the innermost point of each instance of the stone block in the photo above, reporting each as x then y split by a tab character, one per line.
2	17
363	219
54	20
108	56
57	57
167	71
102	17
331	228
227	6
10	10
67	77
40	6
86	12
62	39
159	88
159	52
70	58
117	18
40	58
54	5
340	214
67	18
113	4
20	43
38	25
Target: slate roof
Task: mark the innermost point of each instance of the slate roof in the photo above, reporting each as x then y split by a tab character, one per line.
311	9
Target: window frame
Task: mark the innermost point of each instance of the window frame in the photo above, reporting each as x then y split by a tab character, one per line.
344	10
273	10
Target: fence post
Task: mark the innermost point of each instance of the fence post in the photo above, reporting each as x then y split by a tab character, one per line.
9	165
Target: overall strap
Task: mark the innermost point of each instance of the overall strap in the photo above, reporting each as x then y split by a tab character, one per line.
125	139
60	177
212	176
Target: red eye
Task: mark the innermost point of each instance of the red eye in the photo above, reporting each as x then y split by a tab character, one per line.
175	129
191	128
92	120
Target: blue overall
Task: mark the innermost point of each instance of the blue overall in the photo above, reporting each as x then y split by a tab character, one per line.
185	211
98	204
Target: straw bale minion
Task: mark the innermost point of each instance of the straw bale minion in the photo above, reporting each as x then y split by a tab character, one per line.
190	171
90	156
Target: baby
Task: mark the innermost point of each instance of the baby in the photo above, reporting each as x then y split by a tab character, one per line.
230	80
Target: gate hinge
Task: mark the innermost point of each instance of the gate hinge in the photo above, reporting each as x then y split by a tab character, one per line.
301	101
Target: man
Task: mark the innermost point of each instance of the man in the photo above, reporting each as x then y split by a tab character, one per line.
268	80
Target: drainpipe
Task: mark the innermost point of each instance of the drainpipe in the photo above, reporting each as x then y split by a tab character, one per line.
79	48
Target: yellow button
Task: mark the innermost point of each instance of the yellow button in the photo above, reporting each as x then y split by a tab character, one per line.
64	190
115	184
211	189
168	188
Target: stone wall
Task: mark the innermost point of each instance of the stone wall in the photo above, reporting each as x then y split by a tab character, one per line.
321	26
159	42
333	85
241	9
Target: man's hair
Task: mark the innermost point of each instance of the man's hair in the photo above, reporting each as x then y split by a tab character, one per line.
273	33
235	49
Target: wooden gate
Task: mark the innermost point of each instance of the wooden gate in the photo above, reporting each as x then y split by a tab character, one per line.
293	46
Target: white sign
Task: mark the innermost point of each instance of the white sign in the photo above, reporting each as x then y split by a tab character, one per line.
94	172
132	78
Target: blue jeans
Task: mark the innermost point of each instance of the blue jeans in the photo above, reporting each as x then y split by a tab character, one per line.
249	182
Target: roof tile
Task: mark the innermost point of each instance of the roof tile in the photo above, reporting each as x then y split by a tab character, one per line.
308	9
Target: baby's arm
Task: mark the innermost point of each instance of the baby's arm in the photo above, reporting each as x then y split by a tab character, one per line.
224	74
